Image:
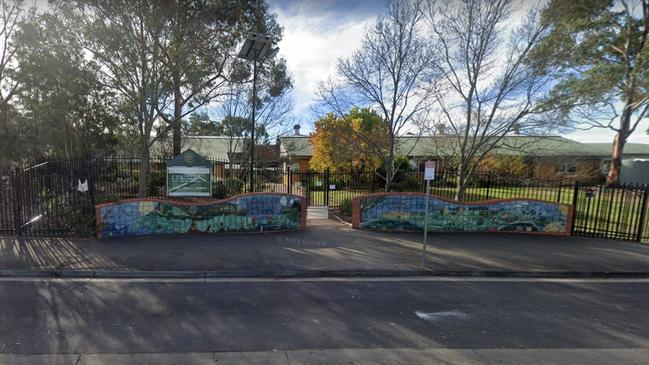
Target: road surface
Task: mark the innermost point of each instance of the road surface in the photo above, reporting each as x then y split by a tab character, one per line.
286	317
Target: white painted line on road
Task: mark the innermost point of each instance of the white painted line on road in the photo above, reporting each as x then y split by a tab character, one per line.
331	279
436	316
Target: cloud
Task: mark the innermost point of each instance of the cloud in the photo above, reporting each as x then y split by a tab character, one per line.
602	135
316	34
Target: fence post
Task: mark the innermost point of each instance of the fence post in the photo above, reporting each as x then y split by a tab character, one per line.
575	202
559	190
308	187
489	177
290	179
326	183
643	214
17	201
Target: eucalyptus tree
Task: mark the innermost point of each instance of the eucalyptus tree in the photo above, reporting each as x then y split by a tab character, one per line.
199	47
12	14
63	103
601	49
121	37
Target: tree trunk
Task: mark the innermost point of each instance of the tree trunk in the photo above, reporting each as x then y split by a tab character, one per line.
143	186
613	177
389	167
460	183
178	112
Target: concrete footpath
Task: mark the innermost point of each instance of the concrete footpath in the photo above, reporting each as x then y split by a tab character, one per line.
325	248
376	356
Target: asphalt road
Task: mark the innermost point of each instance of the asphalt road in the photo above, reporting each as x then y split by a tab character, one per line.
58	316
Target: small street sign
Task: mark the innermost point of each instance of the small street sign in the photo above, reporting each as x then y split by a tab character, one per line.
429	174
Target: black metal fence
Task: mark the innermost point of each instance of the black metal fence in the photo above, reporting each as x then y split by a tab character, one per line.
57	198
49	199
611	212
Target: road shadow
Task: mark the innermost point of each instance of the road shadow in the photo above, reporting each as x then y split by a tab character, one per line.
326	246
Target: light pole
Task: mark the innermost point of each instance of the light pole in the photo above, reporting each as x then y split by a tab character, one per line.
257	48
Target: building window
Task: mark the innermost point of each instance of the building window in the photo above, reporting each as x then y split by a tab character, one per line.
568	167
605	166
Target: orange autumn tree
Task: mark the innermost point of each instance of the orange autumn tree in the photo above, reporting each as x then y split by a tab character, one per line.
358	140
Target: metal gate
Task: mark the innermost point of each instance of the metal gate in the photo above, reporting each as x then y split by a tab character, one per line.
312	185
53	198
326	188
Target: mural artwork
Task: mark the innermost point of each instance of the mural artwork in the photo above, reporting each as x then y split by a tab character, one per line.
245	213
405	212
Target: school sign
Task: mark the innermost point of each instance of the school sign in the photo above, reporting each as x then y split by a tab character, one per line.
189	174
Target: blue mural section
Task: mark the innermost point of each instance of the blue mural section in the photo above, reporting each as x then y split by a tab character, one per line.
407	213
247	213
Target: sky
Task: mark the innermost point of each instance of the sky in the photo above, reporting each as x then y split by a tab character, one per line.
318	32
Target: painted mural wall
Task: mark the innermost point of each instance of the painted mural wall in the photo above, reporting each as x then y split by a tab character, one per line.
244	213
406	212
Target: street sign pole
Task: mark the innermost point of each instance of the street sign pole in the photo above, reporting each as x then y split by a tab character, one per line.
429	174
423	252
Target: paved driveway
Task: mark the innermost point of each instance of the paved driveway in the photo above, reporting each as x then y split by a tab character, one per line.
326	246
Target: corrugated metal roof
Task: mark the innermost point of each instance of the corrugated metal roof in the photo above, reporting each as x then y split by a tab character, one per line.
512	145
296	146
215	148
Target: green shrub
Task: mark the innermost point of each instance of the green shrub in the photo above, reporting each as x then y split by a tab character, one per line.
226	188
157	182
346	207
101	198
406	183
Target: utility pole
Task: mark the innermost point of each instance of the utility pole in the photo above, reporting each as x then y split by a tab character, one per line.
256	48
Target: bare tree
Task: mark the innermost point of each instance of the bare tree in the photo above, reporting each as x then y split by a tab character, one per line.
273	105
391	74
489	91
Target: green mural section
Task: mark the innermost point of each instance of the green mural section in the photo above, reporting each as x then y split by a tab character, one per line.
401	212
246	213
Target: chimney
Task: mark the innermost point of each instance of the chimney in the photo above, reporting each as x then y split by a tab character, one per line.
297	129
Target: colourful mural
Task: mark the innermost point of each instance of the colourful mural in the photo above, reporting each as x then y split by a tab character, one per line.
244	213
406	212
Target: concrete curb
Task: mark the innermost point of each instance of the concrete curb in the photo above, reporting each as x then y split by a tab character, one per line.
106	274
340	220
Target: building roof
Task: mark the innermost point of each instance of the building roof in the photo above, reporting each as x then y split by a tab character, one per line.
543	146
224	148
263	153
296	146
210	147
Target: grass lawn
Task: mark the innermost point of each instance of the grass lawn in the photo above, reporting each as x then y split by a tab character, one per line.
472	194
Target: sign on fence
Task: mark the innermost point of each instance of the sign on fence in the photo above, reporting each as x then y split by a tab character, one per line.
429	170
189	174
